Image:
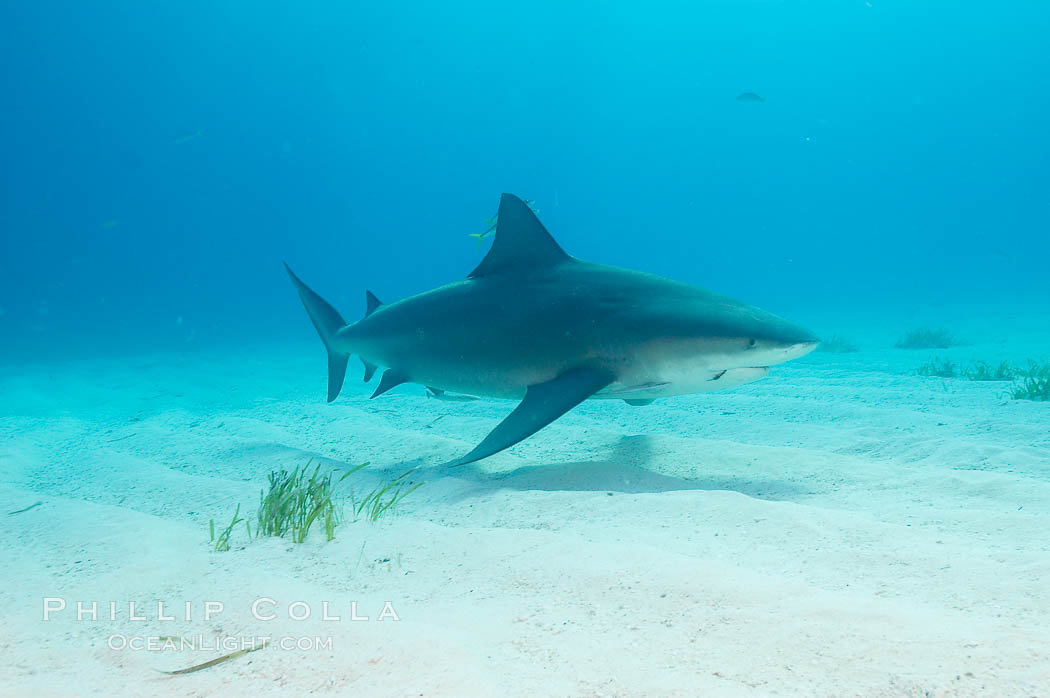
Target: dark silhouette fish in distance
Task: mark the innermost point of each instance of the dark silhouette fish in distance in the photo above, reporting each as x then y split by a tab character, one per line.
532	323
750	97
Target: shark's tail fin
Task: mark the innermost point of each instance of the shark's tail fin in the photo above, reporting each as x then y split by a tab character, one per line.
327	321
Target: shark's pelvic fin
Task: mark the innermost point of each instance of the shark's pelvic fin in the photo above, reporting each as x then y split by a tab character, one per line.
521	241
390	379
371	303
327	322
543	404
370	370
638	402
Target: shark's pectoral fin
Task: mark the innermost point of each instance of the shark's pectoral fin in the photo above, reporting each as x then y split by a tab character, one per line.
543	403
390	379
641	402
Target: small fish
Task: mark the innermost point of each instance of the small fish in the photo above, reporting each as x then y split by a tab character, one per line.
109	225
492	222
31	506
220	660
187	136
750	97
491	229
435	421
439	394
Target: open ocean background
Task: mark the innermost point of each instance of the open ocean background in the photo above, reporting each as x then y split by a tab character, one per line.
161	159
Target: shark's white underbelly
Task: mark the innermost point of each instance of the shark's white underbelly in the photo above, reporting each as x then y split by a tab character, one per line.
631	383
639	375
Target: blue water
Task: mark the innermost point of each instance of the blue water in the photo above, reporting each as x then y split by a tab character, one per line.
899	162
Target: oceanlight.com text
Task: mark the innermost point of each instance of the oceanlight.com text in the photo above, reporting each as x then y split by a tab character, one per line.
162	643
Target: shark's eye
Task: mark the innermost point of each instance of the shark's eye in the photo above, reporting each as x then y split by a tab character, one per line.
752	343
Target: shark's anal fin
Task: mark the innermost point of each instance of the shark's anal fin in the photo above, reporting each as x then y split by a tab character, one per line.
543	403
370	370
390	379
639	402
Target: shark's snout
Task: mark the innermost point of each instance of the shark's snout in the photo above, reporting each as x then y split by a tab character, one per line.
788	334
799	349
770	352
780	341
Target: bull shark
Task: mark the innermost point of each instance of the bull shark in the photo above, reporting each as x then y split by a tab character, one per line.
532	323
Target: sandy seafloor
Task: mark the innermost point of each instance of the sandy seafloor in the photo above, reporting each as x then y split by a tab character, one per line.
841	528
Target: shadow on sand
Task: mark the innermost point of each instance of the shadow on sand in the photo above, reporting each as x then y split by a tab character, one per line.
625	471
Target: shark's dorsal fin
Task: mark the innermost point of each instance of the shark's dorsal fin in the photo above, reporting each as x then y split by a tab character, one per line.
521	241
371	303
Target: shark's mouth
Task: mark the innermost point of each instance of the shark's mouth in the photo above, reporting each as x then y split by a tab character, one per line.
726	370
698	382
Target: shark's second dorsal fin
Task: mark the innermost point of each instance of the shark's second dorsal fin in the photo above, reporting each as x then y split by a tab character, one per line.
371	303
370	370
521	241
